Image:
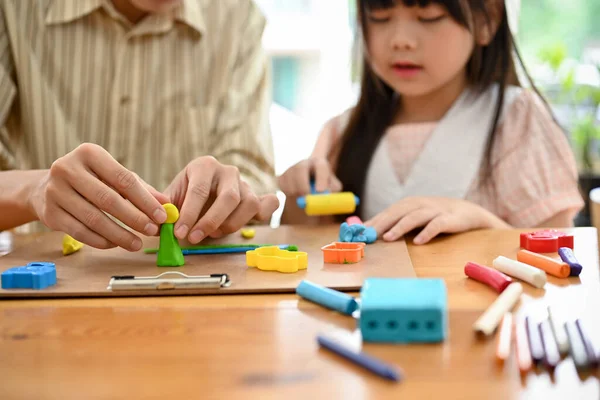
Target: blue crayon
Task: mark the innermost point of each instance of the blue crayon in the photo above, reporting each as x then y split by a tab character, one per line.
364	360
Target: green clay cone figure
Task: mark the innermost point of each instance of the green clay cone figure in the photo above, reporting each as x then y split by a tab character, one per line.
169	252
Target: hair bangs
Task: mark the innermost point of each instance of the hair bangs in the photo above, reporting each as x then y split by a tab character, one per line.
454	7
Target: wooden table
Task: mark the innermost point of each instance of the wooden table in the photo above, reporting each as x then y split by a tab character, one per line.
263	346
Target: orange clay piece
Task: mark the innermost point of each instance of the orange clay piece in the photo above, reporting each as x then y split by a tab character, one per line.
554	267
343	253
504	338
522	347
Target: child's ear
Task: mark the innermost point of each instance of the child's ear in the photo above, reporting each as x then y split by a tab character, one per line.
484	35
486	26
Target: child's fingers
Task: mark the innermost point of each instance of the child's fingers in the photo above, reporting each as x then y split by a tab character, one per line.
442	223
322	174
334	184
383	221
302	179
411	221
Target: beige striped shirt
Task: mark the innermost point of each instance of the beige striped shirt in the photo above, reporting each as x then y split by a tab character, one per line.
156	94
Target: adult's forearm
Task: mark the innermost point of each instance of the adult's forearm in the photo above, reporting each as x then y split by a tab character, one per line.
16	188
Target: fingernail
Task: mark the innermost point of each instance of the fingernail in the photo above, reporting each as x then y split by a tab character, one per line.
389	237
151	229
160	215
181	231
196	236
136	244
418	240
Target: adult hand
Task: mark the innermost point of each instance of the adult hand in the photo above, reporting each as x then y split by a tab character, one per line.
214	201
83	186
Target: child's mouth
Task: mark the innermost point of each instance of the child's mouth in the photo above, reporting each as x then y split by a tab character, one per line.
406	69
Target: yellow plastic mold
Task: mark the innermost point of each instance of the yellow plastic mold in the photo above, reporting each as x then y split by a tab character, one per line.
272	258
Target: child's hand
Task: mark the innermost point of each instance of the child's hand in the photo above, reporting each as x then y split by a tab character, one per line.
214	201
80	187
296	180
436	214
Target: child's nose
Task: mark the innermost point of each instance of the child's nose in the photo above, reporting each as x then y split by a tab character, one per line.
404	37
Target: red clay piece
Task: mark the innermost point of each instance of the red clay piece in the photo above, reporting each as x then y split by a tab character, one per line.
546	241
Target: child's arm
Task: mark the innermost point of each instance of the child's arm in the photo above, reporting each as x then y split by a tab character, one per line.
534	175
327	138
563	219
295	181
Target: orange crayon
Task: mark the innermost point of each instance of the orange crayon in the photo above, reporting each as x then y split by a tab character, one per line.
553	267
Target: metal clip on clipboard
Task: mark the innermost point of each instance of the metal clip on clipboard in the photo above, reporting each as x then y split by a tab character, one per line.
160	282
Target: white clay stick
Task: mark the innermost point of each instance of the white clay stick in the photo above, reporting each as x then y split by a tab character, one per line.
560	334
576	345
525	272
489	320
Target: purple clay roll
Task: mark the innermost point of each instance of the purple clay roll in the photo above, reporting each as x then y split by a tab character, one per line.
576	346
552	355
535	341
567	255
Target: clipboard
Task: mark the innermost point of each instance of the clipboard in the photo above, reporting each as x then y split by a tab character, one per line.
88	272
169	280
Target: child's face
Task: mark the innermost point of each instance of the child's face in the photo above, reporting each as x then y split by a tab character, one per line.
417	50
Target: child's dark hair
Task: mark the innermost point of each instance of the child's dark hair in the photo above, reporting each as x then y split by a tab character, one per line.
378	103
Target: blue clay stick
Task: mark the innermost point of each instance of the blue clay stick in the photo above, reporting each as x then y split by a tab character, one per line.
326	297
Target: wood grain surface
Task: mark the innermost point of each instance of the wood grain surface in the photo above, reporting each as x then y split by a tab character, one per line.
264	346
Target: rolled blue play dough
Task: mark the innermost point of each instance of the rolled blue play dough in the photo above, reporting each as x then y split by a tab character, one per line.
370	234
326	297
357	233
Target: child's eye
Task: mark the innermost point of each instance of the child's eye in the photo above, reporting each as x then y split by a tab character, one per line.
378	20
379	16
432	19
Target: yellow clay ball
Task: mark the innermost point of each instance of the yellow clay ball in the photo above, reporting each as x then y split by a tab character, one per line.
172	213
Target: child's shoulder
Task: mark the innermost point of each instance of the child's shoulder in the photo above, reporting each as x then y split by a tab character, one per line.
525	121
525	102
340	121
